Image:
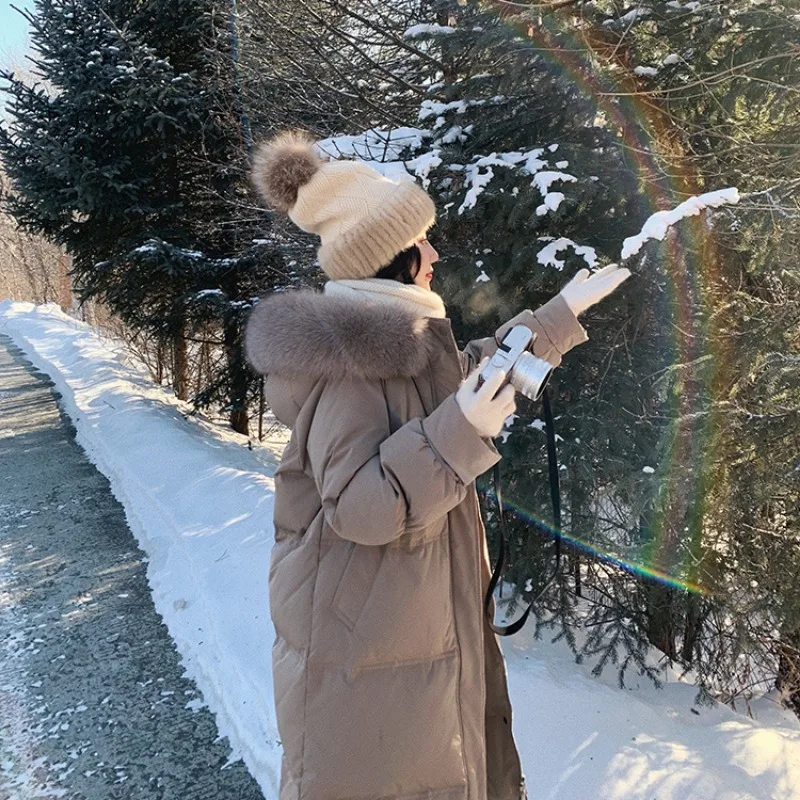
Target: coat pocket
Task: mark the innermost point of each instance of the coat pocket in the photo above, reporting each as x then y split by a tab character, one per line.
356	582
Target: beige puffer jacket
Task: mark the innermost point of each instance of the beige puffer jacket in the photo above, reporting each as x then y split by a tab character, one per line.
388	683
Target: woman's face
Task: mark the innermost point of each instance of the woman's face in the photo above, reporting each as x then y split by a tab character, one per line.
428	257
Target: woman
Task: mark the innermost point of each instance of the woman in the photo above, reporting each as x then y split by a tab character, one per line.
388	683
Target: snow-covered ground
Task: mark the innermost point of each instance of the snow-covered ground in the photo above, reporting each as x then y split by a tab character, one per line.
200	504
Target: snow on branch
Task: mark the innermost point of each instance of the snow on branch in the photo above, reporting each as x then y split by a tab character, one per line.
527	162
375	145
656	226
548	255
382	150
415	31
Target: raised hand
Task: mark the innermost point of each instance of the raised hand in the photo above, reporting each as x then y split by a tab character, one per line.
586	289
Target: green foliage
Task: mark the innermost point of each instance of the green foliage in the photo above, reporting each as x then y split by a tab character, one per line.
140	143
725	83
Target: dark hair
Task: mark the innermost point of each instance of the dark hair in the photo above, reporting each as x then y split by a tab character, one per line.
403	267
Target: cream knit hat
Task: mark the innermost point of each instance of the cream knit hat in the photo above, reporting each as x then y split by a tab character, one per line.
363	218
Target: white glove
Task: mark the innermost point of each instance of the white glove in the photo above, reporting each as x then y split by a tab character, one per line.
585	290
485	412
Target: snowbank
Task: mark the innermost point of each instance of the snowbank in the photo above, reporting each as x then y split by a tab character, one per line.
200	505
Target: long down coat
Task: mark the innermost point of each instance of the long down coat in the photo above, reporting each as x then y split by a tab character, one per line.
388	682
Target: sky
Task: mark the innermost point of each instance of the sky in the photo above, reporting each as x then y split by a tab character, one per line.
13	30
14	40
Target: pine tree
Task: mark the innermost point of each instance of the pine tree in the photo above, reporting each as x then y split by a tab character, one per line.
535	185
722	78
136	165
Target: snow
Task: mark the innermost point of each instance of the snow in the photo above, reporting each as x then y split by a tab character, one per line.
422	165
648	470
528	162
477	181
672	58
427	30
656	226
552	200
375	145
200	504
648	71
383	149
452	134
434	108
548	254
543	179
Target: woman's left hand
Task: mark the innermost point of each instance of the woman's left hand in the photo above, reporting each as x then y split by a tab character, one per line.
584	290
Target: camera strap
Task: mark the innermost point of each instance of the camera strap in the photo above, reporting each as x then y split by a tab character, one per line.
555	496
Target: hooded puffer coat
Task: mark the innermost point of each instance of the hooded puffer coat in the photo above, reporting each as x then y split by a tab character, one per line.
388	682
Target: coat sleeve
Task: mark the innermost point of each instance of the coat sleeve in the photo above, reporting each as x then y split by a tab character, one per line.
376	485
557	331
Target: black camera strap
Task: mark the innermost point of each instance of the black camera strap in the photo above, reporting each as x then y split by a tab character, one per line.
555	496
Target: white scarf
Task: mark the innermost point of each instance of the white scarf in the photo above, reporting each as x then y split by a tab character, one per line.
422	302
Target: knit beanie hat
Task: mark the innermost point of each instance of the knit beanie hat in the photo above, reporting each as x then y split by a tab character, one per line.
363	218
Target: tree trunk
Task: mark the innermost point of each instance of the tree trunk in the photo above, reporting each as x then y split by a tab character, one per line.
65	287
660	627
261	409
239	421
450	71
201	367
180	367
691	628
159	363
577	500
238	379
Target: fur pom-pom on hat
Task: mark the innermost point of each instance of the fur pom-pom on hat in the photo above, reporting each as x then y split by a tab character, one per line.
282	165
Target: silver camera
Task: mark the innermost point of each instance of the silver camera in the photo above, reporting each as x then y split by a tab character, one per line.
527	373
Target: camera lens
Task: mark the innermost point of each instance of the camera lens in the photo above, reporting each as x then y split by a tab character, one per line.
530	375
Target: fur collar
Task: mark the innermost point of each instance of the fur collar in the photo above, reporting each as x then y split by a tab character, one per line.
308	334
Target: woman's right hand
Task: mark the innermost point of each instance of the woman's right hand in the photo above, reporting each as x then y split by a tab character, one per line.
485	412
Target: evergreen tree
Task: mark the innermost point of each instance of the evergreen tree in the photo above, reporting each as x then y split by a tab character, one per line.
722	80
535	185
136	165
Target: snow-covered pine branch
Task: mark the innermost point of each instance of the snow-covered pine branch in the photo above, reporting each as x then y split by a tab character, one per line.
417	31
657	225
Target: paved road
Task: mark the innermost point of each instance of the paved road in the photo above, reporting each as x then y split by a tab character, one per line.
92	702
